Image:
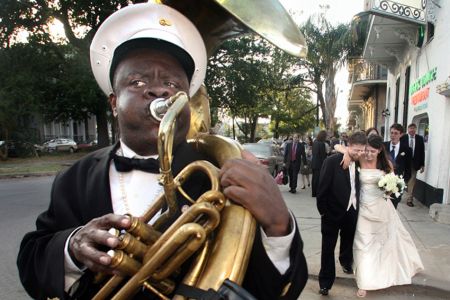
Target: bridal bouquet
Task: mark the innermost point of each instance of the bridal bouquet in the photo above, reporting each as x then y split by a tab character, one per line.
392	184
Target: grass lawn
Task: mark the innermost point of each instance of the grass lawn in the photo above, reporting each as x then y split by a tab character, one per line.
47	163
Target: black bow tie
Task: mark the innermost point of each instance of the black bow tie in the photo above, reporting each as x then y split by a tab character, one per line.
125	164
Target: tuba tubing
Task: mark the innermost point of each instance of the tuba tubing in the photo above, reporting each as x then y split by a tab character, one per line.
220	257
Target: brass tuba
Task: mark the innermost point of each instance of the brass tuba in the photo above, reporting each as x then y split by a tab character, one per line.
221	244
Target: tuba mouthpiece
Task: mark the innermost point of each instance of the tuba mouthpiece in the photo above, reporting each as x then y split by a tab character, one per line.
159	107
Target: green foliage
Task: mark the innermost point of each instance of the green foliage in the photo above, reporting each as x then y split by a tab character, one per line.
251	79
61	84
329	47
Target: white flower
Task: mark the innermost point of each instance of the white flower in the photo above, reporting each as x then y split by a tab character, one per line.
402	154
392	184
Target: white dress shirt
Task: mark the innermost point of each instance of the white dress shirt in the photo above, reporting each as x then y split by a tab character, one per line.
352	200
412	143
134	192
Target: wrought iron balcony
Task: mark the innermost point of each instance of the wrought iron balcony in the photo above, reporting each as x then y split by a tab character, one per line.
397	9
360	70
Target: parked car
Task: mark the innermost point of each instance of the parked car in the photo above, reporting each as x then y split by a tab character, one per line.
268	154
60	145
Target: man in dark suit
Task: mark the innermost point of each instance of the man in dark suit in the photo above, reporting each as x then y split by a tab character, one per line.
337	202
294	154
416	144
319	153
400	155
71	240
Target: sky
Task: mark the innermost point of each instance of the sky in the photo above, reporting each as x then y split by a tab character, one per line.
339	11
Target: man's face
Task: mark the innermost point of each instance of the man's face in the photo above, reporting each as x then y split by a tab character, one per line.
296	138
344	136
356	150
141	77
412	130
395	135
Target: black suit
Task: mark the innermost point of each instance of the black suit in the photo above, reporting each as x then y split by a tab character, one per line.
418	157
402	165
293	163
333	195
82	193
319	153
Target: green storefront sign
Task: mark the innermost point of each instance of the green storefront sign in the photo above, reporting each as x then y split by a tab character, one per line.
423	81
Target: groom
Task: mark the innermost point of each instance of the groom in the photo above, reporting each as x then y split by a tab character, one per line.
337	203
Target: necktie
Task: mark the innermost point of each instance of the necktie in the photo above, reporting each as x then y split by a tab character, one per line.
125	164
294	148
393	152
411	143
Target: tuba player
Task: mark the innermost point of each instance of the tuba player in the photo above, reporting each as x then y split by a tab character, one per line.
141	53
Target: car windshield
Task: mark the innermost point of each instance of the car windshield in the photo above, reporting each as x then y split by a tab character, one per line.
260	150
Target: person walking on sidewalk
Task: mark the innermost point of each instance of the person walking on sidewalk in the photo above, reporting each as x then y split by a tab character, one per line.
384	252
319	153
293	155
400	156
417	146
305	169
337	204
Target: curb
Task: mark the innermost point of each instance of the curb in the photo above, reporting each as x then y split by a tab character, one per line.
25	175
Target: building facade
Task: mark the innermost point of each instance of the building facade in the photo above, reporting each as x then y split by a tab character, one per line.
411	39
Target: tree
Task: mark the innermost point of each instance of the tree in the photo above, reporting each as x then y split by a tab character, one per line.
18	96
328	49
235	79
81	20
251	79
289	102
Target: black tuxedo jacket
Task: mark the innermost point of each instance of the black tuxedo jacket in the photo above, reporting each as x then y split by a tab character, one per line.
402	163
418	158
300	154
82	193
334	189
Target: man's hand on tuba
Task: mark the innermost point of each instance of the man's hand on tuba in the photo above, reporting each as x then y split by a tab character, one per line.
249	184
85	244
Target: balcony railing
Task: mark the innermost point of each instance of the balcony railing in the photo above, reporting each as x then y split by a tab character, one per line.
397	9
359	70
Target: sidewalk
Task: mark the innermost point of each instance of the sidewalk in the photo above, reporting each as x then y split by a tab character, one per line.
432	240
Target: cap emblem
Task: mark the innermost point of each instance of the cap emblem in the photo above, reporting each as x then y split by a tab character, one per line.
165	22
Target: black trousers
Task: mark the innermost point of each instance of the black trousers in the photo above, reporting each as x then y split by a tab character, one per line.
330	229
293	170
396	200
315	181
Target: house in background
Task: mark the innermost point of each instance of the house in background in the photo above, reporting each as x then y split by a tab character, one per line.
411	39
76	130
367	98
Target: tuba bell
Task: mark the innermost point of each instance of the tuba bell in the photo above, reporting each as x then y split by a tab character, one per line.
218	245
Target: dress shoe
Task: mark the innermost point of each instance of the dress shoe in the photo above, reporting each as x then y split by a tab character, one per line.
292	191
347	270
323	291
303	187
309	184
410	204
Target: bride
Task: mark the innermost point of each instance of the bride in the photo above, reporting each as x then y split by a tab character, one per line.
383	251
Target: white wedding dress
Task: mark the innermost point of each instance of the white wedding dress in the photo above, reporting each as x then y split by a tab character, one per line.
383	251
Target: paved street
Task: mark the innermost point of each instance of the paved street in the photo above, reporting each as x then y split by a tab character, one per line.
23	199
